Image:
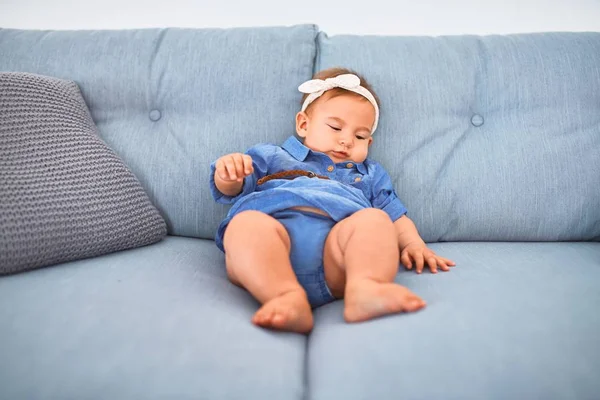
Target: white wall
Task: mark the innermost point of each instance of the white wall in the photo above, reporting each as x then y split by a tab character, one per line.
402	17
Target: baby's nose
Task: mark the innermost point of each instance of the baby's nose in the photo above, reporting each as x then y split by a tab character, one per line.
346	142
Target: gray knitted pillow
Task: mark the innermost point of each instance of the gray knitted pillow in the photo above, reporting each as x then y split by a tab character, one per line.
64	194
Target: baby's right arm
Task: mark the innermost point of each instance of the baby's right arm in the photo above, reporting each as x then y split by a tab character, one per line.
231	169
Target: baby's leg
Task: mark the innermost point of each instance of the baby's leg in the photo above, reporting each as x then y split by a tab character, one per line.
361	258
257	249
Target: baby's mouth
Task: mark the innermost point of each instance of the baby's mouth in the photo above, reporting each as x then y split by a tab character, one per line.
340	154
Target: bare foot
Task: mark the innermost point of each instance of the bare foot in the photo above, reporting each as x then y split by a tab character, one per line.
368	299
288	312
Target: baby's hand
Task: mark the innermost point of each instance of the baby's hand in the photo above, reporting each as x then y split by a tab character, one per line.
234	167
419	253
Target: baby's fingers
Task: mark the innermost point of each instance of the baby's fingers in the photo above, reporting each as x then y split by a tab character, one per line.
432	262
448	262
239	167
420	261
248	168
405	260
221	170
230	167
225	168
442	264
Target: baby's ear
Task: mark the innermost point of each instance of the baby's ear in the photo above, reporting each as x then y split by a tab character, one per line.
301	124
371	140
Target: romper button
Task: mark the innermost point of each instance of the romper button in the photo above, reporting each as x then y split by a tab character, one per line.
330	168
357	179
349	165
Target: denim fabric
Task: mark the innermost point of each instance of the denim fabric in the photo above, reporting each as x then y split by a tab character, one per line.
510	321
487	138
351	187
169	101
308	232
157	322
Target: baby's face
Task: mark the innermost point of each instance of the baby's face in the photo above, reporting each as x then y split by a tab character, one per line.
338	126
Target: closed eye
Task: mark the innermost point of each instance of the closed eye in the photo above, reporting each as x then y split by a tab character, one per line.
360	137
334	128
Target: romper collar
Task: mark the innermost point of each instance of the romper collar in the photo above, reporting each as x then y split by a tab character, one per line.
295	148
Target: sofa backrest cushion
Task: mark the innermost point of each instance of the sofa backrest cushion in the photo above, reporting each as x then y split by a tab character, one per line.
170	101
486	138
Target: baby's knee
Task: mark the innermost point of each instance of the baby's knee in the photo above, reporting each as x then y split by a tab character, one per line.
372	216
256	225
248	218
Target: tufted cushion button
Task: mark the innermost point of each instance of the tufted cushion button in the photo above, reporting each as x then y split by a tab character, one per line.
155	115
477	120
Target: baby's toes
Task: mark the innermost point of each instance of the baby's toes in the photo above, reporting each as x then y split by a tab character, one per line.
263	316
412	303
279	319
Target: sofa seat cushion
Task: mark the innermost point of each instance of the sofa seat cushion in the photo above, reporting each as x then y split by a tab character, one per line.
156	322
511	321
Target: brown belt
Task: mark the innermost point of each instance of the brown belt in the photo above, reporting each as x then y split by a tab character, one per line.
295	173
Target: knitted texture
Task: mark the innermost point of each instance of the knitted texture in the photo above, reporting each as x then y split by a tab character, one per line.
64	194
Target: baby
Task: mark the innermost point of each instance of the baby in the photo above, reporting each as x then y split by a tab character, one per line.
316	220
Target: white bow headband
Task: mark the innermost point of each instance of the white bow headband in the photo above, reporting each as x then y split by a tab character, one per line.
316	87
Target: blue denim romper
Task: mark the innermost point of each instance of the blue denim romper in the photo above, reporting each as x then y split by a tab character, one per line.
308	232
351	187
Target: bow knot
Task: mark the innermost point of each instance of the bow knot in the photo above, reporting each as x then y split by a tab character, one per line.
345	81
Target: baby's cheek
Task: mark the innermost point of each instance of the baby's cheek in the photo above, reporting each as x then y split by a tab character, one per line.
315	144
361	155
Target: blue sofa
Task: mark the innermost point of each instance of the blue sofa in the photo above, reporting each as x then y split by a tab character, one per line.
493	143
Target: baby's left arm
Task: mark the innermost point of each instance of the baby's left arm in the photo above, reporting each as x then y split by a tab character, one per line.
414	249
